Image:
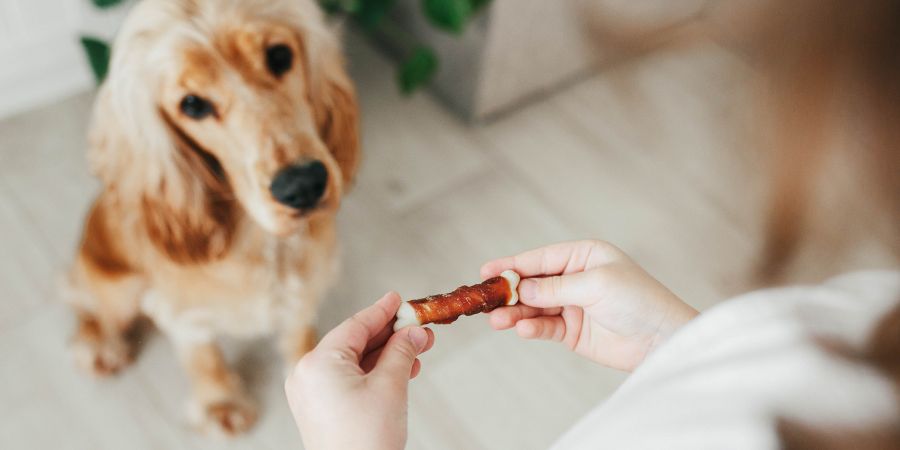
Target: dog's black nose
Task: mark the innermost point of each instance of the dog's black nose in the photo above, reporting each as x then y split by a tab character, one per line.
300	186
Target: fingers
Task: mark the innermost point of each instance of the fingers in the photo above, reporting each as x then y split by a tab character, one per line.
546	328
370	359
416	368
379	339
395	365
353	335
556	259
507	317
576	289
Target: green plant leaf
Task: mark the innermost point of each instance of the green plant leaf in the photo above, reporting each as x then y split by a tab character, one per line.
370	12
330	6
417	70
341	6
104	4
476	5
450	15
98	53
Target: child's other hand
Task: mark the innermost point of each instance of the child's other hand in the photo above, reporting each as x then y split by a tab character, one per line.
591	297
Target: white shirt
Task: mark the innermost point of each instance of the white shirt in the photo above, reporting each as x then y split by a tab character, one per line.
722	380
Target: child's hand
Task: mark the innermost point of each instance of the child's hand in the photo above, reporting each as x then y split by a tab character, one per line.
351	390
593	298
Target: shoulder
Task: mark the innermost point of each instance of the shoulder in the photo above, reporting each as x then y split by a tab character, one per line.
855	298
845	307
748	360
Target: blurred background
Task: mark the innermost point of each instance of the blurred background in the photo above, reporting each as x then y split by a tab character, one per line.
487	130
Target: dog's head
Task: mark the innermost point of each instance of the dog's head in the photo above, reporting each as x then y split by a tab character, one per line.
216	107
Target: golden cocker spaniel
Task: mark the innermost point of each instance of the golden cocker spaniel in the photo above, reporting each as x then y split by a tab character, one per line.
224	136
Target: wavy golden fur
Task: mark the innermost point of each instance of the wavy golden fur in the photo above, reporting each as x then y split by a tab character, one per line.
185	229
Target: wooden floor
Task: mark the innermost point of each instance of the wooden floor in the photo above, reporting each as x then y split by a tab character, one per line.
645	156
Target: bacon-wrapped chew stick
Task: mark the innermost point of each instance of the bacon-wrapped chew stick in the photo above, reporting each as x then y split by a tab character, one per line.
466	300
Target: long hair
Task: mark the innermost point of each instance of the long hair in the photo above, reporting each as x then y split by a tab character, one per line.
827	65
833	63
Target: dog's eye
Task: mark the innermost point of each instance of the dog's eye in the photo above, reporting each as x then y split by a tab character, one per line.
279	59
196	107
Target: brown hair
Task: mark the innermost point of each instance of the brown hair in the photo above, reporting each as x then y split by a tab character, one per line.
833	64
828	64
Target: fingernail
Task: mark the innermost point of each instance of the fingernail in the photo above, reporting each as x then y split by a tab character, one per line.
528	290
419	337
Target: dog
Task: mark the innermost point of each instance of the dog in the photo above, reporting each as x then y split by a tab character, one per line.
224	137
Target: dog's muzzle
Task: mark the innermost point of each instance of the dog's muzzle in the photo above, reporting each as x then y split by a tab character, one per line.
300	186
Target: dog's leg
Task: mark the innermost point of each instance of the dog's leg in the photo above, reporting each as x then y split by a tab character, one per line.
219	404
296	342
106	312
105	290
303	288
297	330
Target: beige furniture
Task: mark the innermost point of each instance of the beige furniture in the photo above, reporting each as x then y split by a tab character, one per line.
516	50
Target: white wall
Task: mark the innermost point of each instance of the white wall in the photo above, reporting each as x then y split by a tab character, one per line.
40	57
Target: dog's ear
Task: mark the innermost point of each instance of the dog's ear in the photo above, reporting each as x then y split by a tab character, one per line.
336	112
203	232
182	201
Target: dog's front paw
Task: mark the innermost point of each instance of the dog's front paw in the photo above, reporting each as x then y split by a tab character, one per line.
228	417
101	356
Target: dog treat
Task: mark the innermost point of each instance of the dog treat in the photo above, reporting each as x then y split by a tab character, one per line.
466	300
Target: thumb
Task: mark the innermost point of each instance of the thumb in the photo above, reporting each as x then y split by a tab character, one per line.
399	354
577	289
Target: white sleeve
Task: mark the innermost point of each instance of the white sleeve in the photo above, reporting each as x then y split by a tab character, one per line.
723	379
